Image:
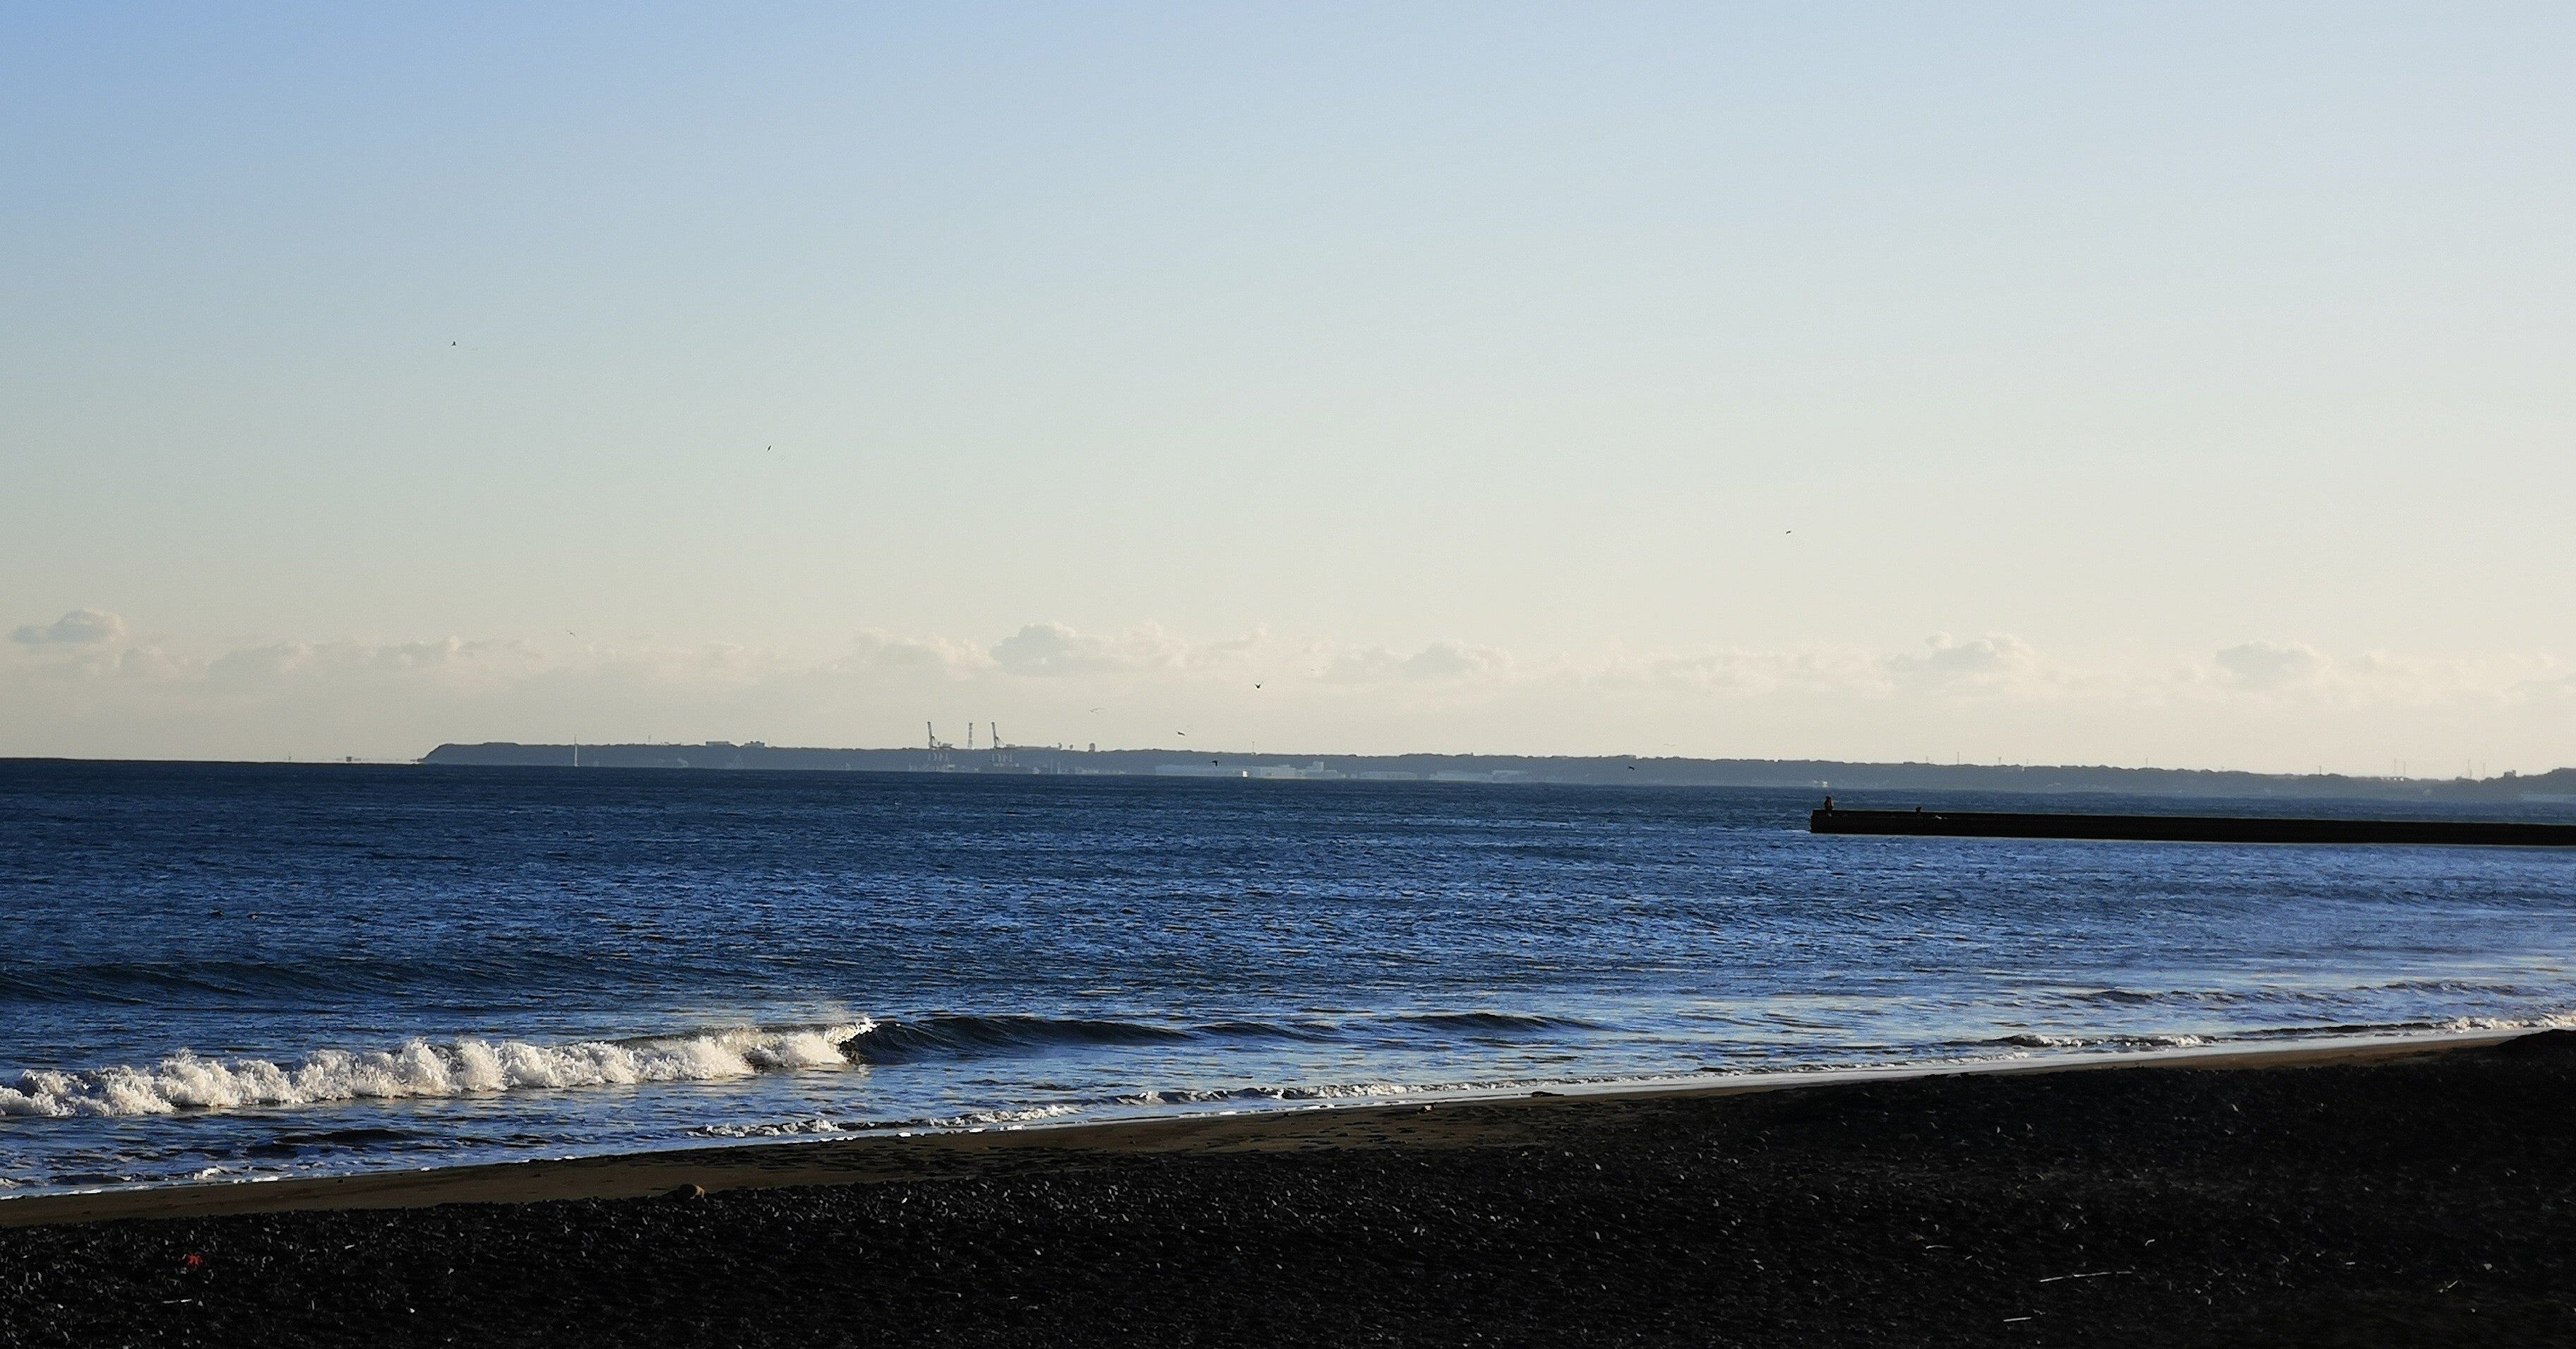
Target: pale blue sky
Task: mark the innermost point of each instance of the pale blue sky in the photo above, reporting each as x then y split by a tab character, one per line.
2033	381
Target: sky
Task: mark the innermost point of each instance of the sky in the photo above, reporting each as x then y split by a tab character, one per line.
2177	384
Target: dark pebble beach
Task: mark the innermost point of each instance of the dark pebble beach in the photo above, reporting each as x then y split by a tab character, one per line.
2414	1201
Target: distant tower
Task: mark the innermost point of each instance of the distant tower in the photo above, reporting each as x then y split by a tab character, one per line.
994	741
933	732
970	737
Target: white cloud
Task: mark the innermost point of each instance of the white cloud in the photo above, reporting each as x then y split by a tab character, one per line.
80	627
1740	673
1054	649
2270	665
876	653
278	664
1457	660
1997	661
2278	673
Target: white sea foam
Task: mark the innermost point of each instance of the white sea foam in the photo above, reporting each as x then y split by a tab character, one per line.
819	1125
982	1118
2035	1040
2555	1021
793	1128
1326	1092
420	1068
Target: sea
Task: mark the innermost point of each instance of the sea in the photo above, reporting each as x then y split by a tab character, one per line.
226	972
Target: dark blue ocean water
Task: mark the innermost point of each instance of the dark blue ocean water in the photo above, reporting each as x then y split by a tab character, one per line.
229	971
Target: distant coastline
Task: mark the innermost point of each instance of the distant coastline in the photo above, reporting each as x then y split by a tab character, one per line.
2557	786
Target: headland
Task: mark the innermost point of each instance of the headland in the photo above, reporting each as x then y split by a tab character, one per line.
2553	789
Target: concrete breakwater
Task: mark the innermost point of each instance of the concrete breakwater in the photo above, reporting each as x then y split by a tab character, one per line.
2187	828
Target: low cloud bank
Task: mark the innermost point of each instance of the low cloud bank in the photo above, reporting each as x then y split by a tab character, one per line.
80	627
82	685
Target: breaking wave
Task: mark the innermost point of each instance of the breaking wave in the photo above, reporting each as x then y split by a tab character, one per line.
186	1081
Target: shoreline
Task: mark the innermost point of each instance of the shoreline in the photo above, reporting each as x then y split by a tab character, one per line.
2403	1192
1462	1118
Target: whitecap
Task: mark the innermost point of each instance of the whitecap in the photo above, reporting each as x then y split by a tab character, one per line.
419	1068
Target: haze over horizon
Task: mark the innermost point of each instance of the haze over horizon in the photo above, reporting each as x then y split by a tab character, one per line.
2171	384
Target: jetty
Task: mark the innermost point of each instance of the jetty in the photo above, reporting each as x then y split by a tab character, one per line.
2187	828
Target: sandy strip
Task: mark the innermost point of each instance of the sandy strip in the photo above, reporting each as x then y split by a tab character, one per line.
1449	1121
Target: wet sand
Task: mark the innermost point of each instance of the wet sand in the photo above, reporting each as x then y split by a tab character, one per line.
2415	1193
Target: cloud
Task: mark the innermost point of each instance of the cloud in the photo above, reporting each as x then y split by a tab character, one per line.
2285	672
1742	673
1995	661
2267	665
80	627
877	653
278	664
1052	649
1457	660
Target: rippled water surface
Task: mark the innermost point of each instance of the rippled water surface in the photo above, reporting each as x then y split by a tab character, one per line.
219	970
